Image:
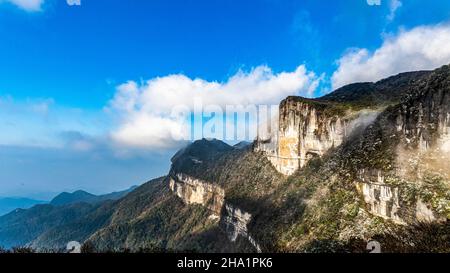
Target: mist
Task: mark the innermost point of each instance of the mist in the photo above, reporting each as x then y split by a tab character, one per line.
42	173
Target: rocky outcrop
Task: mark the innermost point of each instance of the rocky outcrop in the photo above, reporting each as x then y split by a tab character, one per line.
423	126
235	222
310	127
196	191
387	200
424	214
382	199
306	128
425	122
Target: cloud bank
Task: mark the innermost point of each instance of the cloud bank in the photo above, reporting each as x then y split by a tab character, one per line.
144	110
421	48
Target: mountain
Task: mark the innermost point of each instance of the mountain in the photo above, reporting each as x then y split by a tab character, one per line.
22	226
366	162
66	198
75	197
199	152
243	145
384	92
10	204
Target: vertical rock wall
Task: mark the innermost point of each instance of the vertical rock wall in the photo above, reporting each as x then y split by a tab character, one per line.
425	121
305	130
385	200
382	199
196	191
235	222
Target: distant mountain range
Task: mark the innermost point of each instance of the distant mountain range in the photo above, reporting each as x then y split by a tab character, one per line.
9	204
66	198
46	226
25	223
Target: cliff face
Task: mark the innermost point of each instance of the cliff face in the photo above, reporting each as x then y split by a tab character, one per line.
408	143
195	191
382	199
232	219
311	127
423	126
412	187
235	222
306	129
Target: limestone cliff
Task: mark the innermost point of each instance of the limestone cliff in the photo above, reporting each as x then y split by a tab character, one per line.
195	191
306	128
423	126
382	199
233	220
410	184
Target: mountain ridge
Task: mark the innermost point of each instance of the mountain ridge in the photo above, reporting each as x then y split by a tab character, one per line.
66	198
8	204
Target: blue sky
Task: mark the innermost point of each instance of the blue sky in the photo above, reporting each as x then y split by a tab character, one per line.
67	72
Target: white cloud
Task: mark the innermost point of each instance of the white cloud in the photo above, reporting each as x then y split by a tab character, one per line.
144	111
28	5
394	5
421	48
